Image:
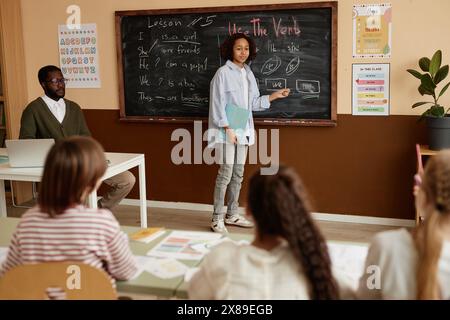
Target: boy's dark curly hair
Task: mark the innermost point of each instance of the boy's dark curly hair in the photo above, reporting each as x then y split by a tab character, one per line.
226	49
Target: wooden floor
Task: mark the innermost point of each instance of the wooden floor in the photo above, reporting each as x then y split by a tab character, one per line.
200	221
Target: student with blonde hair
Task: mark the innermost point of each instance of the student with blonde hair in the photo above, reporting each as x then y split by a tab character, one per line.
416	264
60	227
288	258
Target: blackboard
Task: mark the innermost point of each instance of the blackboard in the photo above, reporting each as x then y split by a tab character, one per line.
167	58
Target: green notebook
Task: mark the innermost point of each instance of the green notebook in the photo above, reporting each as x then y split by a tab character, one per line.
237	117
237	120
4	159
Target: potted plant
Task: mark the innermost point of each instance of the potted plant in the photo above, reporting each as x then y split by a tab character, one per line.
438	122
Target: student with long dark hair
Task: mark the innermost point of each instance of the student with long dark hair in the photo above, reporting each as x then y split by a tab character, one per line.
288	258
416	264
60	227
234	83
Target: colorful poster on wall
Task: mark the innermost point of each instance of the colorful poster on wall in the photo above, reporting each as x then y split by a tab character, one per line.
372	30
78	56
370	90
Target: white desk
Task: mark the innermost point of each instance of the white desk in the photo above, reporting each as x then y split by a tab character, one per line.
119	162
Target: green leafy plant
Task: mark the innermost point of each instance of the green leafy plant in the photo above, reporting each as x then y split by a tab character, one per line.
429	81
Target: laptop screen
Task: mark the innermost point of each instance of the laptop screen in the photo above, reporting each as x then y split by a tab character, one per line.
28	152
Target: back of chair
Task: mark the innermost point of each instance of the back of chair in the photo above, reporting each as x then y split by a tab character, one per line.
68	280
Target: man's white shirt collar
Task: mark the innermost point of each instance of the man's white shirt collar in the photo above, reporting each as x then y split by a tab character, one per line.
57	108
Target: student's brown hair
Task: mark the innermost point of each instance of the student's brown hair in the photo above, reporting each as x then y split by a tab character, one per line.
428	236
280	207
226	48
72	168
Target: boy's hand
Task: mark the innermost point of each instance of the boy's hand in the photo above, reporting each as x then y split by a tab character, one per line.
283	93
231	135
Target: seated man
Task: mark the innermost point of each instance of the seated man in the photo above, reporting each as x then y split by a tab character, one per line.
52	116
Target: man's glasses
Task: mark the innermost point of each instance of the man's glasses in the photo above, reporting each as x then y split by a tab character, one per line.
58	81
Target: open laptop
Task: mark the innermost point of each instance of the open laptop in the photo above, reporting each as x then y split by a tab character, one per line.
28	152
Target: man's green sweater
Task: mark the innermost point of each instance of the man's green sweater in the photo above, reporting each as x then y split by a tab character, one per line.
38	122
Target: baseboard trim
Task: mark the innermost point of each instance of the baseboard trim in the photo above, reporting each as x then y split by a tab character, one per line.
364	219
317	215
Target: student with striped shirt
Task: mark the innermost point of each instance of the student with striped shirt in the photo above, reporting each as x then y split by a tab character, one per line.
60	227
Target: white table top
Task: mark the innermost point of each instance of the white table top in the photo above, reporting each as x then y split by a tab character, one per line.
119	162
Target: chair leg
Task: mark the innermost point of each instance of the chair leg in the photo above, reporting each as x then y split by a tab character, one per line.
35	193
12	195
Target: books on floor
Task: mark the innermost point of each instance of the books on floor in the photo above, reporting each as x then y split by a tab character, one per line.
147	235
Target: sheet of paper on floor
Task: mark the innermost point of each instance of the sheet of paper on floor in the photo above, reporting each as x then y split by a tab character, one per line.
348	259
3	254
164	268
179	245
190	273
167	268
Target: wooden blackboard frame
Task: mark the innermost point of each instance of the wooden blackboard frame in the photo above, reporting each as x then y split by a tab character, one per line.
272	7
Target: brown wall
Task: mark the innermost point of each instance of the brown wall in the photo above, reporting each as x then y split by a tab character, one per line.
364	166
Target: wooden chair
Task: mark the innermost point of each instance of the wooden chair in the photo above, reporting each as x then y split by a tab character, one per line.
67	280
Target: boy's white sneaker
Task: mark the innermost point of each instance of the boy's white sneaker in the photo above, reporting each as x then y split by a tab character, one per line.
218	226
238	220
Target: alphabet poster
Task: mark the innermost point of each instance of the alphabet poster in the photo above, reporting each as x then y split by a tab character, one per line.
370	89
372	30
78	55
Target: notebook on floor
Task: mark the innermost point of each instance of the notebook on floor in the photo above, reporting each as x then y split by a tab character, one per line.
26	153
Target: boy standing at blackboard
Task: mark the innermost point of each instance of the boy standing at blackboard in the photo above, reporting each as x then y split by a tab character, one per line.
234	86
